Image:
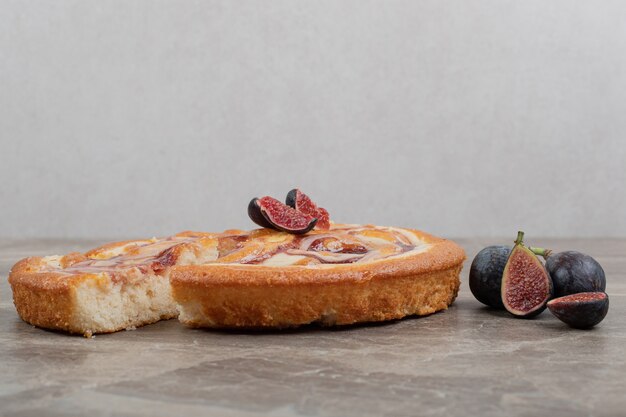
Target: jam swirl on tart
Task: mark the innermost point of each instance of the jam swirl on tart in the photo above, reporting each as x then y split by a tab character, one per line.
342	244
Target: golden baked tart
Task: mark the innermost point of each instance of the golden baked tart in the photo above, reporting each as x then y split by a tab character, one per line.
242	279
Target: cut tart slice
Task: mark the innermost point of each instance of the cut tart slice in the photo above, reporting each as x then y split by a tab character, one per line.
117	286
237	279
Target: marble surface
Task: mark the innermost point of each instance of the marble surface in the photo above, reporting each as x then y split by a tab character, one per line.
468	360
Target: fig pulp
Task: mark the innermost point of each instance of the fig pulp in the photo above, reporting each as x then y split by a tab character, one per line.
573	272
526	285
301	202
582	310
485	276
271	213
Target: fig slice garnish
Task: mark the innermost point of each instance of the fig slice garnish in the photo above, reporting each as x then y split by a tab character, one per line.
526	285
303	203
271	213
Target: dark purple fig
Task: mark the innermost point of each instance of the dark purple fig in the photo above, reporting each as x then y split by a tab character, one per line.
271	213
526	285
485	277
573	272
301	202
582	310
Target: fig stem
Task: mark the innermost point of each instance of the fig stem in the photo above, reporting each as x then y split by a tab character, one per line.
543	252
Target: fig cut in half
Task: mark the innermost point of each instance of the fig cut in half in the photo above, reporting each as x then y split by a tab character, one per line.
271	213
526	285
581	311
301	202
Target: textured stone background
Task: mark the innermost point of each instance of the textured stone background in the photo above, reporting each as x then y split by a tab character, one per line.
465	118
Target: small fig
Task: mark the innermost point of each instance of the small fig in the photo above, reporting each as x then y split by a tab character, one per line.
582	310
573	272
526	285
485	277
301	202
271	213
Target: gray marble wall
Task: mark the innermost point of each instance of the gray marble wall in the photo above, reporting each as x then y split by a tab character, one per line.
464	117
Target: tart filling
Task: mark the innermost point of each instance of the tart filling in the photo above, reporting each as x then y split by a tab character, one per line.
343	244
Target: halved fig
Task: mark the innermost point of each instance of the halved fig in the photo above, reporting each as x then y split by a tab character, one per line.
271	213
581	311
301	202
526	285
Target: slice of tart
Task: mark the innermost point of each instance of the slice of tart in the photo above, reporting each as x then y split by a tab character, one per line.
117	286
237	279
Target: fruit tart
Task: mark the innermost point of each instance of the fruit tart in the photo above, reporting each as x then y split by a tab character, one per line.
334	274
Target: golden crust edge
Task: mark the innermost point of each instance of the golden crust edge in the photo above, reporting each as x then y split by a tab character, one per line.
341	303
49	304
